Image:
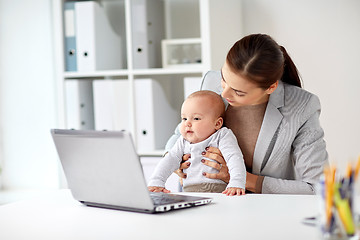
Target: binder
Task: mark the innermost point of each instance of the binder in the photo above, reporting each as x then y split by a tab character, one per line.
191	84
79	104
70	37
98	46
155	118
147	18
121	107
111	104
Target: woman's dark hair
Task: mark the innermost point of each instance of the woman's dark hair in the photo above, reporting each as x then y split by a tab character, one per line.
261	60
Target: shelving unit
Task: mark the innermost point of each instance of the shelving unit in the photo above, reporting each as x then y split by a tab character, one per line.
216	23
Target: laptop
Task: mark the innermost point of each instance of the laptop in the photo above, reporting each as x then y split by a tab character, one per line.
102	169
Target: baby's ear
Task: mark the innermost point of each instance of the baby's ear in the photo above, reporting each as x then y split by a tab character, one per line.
219	122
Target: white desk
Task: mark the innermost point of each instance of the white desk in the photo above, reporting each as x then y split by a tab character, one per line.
58	216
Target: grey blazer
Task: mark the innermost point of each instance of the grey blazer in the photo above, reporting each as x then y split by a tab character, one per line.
290	151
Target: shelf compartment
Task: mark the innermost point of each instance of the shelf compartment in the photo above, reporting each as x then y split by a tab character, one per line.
167	71
96	74
181	53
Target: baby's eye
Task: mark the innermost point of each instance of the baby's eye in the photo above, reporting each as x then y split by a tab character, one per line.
184	119
197	119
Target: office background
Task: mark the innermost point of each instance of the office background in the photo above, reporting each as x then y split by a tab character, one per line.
322	37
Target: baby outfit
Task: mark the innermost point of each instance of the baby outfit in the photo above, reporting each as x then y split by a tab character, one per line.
225	140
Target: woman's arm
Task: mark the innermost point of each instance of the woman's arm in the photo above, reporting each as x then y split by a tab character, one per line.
309	156
283	186
256	183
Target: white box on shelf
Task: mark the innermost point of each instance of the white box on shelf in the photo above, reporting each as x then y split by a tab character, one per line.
111	104
191	84
155	117
98	45
147	32
180	53
79	104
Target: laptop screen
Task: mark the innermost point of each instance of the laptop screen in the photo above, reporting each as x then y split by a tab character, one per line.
102	167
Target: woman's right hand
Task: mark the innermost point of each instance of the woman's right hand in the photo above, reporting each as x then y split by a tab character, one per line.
219	164
184	165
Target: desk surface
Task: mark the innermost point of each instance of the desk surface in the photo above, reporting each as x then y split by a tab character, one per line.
59	216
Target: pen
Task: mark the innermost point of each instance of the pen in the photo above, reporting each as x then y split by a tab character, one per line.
327	197
331	189
342	205
329	193
348	170
350	190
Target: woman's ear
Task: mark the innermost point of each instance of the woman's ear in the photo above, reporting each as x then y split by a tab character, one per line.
272	87
219	122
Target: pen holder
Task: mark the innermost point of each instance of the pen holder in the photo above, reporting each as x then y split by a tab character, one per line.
337	218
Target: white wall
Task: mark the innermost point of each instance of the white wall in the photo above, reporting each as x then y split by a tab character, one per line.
322	36
323	39
27	94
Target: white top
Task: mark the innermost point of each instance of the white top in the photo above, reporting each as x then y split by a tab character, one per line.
224	139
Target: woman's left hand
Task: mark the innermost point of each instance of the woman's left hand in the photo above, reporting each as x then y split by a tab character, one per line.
220	164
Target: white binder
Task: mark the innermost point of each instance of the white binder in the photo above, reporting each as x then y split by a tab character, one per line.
191	84
111	104
147	32
79	104
98	46
69	37
155	118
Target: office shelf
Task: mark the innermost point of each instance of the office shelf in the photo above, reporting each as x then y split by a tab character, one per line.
215	25
96	74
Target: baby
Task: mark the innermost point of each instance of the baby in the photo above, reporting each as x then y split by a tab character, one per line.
201	127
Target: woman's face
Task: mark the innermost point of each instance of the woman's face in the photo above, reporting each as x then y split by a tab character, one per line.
238	91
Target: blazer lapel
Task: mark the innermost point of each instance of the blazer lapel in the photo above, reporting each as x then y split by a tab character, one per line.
272	119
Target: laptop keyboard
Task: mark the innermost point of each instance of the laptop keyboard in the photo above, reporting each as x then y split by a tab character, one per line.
165	198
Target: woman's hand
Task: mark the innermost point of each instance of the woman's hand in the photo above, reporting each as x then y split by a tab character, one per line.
184	165
220	164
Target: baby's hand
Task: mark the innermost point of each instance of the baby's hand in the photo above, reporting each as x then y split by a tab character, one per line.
234	191
158	189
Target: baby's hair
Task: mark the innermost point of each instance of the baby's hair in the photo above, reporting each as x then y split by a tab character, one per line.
212	96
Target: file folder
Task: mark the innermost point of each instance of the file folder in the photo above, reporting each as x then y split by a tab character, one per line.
79	104
111	104
155	117
147	18
191	84
70	37
98	46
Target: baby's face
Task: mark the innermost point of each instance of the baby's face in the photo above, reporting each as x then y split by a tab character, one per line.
199	119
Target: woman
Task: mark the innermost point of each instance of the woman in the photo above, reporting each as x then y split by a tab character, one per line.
276	122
